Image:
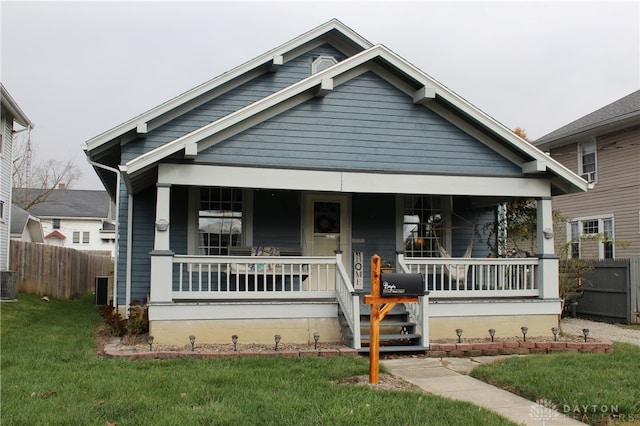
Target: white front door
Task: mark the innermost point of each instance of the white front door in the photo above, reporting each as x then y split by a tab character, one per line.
327	226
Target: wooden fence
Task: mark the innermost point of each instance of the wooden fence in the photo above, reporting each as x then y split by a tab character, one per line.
612	291
58	272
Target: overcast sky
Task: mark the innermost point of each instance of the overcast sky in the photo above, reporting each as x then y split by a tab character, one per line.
78	69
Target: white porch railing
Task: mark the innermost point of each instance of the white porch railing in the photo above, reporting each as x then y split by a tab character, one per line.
475	278
349	302
245	277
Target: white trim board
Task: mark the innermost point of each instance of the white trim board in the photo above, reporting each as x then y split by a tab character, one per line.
350	182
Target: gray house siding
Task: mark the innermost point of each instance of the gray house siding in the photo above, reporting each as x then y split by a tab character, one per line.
616	192
276	218
364	124
260	87
6	127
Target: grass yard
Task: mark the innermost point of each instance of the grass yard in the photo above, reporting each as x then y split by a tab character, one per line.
51	375
593	388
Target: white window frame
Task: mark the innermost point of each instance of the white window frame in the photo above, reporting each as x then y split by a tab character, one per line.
601	229
321	60
588	148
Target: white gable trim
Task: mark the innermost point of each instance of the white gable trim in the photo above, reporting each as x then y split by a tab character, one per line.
273	59
349	182
291	96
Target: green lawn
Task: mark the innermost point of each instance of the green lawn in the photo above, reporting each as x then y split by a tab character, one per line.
51	375
592	388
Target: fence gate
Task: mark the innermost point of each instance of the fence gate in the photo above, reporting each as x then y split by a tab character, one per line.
611	291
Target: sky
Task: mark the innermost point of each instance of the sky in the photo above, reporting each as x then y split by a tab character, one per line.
80	68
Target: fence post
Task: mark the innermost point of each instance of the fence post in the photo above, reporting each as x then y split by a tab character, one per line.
634	287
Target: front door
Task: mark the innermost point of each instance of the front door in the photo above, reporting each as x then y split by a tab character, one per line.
327	226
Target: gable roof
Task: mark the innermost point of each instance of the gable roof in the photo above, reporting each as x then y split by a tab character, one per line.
101	149
422	88
55	234
332	31
619	114
22	220
68	203
364	57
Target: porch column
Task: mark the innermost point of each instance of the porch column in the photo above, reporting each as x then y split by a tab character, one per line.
547	276
162	256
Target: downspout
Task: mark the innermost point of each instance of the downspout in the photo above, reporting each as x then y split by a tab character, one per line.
117	218
129	242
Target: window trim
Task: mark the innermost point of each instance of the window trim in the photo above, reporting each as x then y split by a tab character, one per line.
320	60
601	229
590	177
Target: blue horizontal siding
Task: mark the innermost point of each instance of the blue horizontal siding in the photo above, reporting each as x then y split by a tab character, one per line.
266	84
364	124
374	223
276	219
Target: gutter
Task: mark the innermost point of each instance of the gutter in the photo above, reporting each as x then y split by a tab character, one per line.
117	228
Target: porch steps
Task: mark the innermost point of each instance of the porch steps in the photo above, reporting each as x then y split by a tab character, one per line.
397	331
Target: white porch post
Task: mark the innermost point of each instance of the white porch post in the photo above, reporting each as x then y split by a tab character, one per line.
162	256
547	276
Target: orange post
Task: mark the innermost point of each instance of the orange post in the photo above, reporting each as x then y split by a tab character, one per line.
374	339
380	307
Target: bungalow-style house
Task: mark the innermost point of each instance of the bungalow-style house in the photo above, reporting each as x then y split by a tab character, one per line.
252	204
604	148
25	227
10	115
75	218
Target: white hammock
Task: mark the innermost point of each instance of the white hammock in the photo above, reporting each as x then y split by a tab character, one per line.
456	273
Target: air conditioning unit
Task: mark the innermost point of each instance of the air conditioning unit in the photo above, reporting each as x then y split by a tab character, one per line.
589	177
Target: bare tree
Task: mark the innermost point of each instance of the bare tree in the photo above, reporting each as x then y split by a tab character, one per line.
39	178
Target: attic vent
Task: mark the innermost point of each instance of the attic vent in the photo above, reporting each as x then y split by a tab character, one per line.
321	63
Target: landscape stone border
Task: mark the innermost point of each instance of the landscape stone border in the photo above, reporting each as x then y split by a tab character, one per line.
441	350
437	350
323	353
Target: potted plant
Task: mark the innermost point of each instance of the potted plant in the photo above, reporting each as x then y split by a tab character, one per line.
386	267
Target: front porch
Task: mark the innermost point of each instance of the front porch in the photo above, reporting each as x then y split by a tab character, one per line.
214	297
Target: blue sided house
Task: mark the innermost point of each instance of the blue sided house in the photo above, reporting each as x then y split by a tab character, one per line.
253	203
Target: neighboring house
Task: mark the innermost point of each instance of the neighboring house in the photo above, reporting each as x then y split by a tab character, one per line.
10	114
604	148
79	219
319	154
25	227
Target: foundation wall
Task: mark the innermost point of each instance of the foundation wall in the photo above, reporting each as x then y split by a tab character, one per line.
259	331
478	326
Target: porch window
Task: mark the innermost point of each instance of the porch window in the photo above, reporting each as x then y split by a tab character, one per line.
219	220
422	214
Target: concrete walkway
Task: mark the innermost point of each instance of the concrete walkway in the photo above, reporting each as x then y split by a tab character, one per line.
448	377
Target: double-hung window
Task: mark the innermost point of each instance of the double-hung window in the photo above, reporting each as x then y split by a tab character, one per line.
587	161
219	220
592	236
